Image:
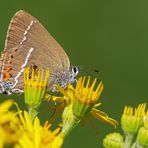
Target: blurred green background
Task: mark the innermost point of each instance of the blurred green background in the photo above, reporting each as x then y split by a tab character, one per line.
111	36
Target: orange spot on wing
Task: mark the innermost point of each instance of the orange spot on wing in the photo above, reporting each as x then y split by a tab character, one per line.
8	68
7	76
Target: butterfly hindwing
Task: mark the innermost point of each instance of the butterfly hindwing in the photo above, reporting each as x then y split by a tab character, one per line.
29	43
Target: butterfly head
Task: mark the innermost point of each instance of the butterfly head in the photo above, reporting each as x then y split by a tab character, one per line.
74	70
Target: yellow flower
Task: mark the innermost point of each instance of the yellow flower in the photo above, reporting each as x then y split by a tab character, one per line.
36	136
134	122
81	101
35	83
132	119
9	124
142	137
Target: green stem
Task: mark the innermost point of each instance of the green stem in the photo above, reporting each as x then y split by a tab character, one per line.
136	145
69	127
128	141
69	120
33	113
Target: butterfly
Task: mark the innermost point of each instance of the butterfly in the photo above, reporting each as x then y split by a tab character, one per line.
28	43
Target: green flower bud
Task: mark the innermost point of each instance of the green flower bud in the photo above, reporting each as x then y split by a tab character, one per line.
132	120
142	137
113	140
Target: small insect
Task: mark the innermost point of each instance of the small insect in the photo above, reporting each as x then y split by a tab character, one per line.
28	43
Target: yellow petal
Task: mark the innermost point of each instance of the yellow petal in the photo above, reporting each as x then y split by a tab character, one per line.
62	91
91	89
103	117
5	106
88	81
20	115
37	132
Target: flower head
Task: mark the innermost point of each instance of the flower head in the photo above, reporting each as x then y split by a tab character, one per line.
35	83
36	136
85	96
81	101
132	119
34	86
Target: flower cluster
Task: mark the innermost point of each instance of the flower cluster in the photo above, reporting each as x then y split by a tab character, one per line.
36	136
17	129
81	102
134	123
23	129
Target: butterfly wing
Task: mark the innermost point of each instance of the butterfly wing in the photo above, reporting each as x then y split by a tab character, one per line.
29	43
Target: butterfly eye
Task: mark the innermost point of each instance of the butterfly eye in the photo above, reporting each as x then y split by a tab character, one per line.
75	70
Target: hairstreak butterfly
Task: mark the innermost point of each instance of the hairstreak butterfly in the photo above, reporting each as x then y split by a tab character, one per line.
28	43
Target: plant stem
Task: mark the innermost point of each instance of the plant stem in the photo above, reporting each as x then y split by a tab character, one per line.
136	145
69	120
128	141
